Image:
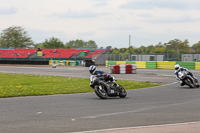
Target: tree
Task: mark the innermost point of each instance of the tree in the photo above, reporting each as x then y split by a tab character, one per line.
159	48
38	45
91	44
178	46
196	47
109	49
172	45
75	44
150	49
15	37
184	47
52	43
131	49
81	44
123	50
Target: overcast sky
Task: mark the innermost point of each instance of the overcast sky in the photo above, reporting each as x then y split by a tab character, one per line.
107	22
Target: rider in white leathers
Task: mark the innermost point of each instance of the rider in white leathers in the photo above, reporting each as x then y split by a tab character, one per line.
178	69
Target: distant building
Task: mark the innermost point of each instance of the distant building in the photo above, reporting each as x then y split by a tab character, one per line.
190	57
147	57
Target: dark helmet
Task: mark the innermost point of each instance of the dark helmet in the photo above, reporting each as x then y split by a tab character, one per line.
92	69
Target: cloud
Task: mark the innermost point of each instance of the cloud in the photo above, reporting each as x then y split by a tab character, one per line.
122	28
101	4
7	11
180	19
77	15
145	15
169	4
86	34
39	36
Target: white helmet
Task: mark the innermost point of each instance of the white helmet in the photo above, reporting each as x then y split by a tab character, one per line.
177	67
92	69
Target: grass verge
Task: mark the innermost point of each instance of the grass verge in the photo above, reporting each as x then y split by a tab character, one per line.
15	85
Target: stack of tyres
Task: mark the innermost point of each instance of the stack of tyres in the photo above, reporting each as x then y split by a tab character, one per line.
122	68
68	63
72	63
77	63
111	68
134	68
116	69
64	62
151	64
129	68
58	63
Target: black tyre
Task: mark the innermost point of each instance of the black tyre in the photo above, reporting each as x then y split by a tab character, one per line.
197	83
122	92
189	82
101	93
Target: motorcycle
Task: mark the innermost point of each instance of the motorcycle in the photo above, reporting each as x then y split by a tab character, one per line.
104	89
188	79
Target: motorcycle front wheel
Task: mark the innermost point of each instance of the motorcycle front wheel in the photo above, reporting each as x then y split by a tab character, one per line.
101	92
122	92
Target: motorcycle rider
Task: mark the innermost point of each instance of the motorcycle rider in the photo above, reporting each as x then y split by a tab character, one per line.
93	71
178	69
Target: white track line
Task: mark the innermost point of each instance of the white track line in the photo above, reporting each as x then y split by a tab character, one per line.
112	129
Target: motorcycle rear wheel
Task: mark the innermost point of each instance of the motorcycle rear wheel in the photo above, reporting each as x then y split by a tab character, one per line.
189	83
101	93
197	83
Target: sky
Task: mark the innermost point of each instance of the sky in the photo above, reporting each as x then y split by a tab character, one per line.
107	22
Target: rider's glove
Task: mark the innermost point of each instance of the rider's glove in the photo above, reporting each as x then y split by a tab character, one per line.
181	81
115	83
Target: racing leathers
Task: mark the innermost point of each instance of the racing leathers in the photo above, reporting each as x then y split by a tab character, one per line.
104	76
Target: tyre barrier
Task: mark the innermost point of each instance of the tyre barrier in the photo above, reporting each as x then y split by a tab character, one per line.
85	63
123	69
157	64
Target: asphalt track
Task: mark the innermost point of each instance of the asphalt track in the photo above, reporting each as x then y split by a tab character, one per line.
168	104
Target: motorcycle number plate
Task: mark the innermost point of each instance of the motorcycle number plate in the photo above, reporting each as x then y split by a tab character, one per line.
112	91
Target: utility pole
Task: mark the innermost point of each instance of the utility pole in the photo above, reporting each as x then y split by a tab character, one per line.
129	47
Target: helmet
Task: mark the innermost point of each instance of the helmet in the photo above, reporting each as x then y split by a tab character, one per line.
177	67
92	69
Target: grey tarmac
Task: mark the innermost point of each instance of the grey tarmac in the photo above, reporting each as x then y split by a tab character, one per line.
164	105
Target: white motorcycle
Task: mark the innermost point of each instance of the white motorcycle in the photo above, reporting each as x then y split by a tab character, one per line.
188	79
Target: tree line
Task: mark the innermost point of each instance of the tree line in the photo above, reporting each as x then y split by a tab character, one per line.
17	37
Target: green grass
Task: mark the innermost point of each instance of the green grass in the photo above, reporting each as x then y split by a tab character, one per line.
14	85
